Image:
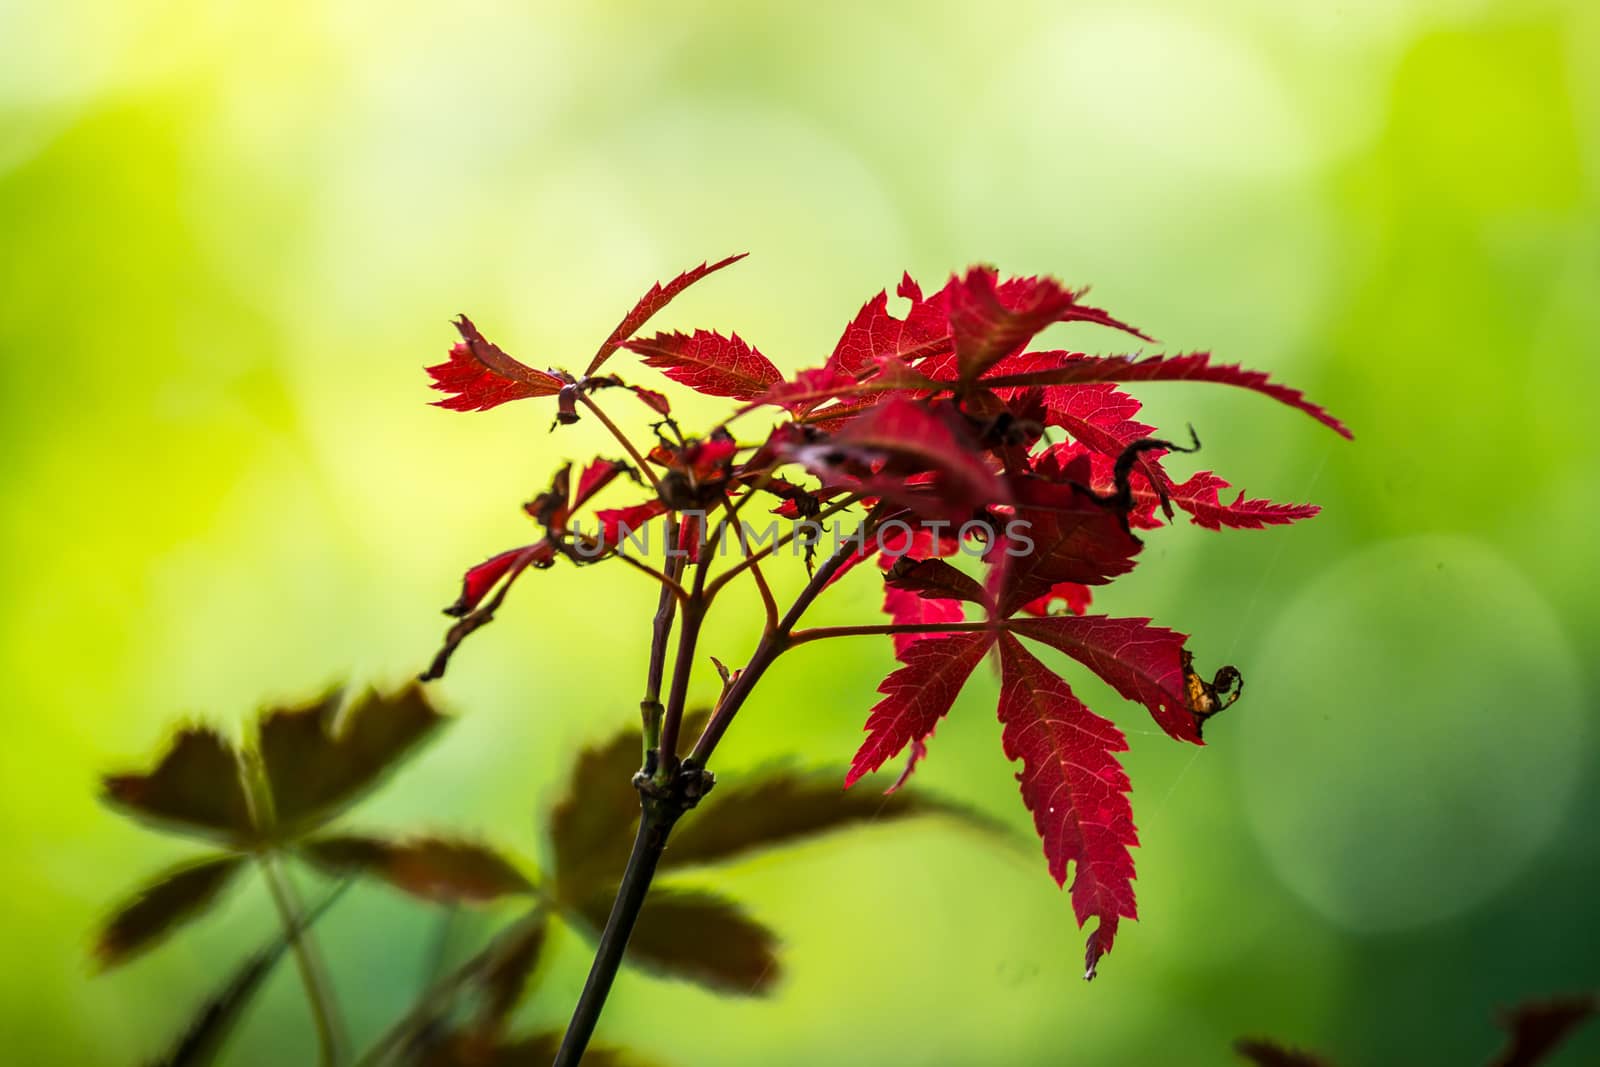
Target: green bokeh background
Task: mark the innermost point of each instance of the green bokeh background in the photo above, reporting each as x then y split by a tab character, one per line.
234	232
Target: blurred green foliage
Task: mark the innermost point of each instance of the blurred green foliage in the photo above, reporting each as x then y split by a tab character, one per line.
235	232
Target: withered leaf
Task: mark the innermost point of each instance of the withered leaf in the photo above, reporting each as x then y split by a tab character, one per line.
434	868
176	897
697	936
318	762
195	788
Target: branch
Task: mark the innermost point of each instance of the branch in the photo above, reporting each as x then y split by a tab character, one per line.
769	603
751	561
773	644
670	586
660	631
675	788
694	613
661	808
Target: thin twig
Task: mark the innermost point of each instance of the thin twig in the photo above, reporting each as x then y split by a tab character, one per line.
654	826
622	439
434	998
669	586
734	571
769	603
319	993
819	633
650	708
682	668
772	645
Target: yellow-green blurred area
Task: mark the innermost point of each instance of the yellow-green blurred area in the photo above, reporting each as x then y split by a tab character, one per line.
234	233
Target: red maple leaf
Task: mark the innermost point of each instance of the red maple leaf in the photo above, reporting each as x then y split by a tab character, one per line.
1076	368
916	697
1075	788
651	302
904	452
1063	532
709	363
990	320
875	335
1199	496
483	377
1142	662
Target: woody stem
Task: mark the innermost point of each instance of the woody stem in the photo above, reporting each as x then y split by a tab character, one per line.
674	788
650	707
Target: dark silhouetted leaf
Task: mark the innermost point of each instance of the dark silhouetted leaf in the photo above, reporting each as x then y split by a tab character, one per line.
433	868
592	827
177	897
784	808
482	376
195	787
698	936
476	1049
1271	1054
202	1041
505	975
317	762
1537	1028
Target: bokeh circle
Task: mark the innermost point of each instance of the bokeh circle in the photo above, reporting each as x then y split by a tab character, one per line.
1412	734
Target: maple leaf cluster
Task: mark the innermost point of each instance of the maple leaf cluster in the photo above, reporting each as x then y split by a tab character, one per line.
950	436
